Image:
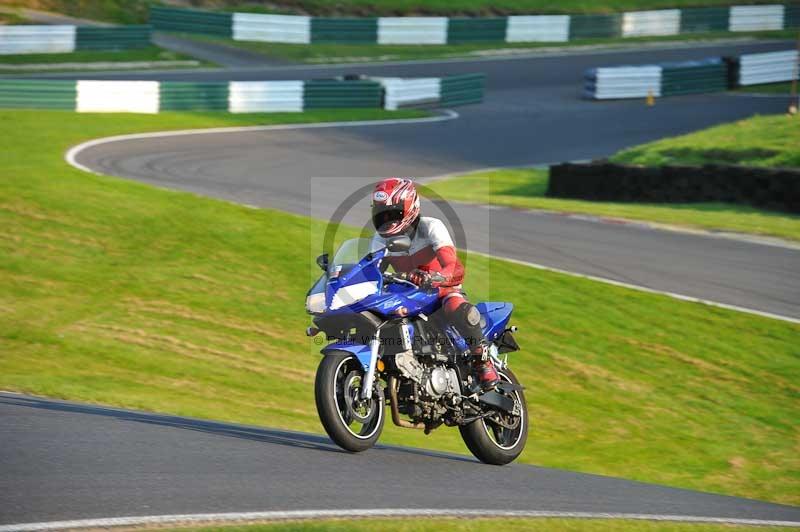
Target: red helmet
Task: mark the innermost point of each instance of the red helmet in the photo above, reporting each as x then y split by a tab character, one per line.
395	206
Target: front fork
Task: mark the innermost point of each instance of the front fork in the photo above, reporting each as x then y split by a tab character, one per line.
369	376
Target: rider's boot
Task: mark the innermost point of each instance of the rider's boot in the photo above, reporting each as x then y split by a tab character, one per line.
483	367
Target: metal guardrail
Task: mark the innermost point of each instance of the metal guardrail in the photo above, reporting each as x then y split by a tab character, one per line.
67	38
112	38
443	30
770	67
240	96
709	75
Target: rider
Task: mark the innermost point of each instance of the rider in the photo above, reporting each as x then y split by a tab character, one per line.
395	211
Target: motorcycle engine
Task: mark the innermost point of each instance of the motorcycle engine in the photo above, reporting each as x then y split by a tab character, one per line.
434	381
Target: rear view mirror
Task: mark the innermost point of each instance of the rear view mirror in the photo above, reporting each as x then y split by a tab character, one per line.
322	261
398	243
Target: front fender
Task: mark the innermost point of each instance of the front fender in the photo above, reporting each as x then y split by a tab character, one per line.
360	351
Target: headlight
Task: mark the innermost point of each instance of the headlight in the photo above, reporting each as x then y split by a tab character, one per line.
315	303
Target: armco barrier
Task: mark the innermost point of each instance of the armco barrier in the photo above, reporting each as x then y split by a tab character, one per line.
709	75
773	188
688	77
344	30
193	21
462	90
623	82
450	91
770	67
240	96
704	19
38	94
37	39
193	96
443	30
323	94
112	38
67	38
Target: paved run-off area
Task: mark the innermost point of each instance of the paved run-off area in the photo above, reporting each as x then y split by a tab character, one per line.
65	460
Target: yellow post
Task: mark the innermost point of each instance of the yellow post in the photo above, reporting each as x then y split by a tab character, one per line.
650	99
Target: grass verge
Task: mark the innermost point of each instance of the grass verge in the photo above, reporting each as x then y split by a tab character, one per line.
769	88
772	140
119	293
12	18
149	54
483	525
354	53
763	141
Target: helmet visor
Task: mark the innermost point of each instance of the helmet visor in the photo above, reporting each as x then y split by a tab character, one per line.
385	219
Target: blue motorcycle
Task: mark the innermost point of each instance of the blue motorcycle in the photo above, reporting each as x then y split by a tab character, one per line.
386	338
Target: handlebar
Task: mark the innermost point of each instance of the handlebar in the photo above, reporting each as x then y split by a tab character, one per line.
397	278
403	278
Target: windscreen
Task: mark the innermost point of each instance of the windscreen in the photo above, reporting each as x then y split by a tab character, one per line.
349	253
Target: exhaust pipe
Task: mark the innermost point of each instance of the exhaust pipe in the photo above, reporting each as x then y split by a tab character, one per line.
394	385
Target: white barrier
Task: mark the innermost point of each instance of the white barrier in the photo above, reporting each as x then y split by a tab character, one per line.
117	96
412	30
770	67
756	18
265	96
271	28
625	82
36	39
651	23
542	28
400	92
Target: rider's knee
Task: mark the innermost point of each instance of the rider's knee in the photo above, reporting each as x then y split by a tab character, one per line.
467	314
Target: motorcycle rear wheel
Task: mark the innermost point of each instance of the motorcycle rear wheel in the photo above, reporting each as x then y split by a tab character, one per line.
495	445
351	424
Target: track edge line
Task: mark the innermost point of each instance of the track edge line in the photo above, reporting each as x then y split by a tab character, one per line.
243	517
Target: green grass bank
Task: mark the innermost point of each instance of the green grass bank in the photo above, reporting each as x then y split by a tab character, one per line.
119	293
760	141
483	525
152	54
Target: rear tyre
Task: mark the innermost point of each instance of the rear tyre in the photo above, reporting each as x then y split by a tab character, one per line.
352	424
492	443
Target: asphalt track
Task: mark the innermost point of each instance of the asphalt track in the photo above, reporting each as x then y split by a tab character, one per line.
63	460
532	114
70	461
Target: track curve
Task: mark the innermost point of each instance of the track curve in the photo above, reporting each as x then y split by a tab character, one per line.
63	460
532	114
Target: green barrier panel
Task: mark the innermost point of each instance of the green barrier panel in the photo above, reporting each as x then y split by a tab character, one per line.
344	30
791	17
462	90
38	94
689	80
595	26
112	38
461	30
321	94
704	19
182	96
192	21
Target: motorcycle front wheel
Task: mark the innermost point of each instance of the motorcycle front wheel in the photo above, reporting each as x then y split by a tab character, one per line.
495	443
353	424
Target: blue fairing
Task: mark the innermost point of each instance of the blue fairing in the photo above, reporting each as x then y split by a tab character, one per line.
390	301
361	352
496	315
